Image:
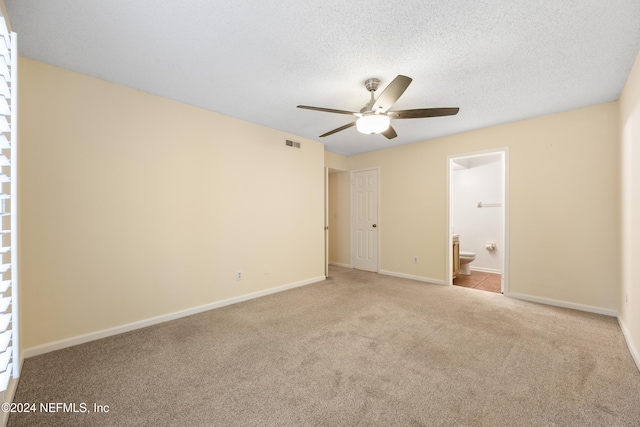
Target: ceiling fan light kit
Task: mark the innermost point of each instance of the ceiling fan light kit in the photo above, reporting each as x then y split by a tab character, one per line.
373	123
375	117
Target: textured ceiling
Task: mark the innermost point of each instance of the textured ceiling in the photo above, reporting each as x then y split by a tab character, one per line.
499	61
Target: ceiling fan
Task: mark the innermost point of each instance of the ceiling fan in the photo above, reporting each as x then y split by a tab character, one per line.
375	117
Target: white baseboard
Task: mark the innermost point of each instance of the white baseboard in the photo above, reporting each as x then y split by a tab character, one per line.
81	339
339	264
412	277
487	270
564	304
635	352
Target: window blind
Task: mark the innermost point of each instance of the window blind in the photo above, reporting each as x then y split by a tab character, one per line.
9	360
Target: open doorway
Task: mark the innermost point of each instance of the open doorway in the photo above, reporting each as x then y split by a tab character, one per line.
477	245
338	218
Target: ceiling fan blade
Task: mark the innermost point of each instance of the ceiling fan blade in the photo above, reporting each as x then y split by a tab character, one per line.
391	93
328	110
390	133
331	132
423	112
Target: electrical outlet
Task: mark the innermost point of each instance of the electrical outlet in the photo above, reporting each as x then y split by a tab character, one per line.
239	275
415	259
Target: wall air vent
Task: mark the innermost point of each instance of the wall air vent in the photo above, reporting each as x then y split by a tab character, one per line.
292	144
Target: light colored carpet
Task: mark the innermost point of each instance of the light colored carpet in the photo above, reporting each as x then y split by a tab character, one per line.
359	349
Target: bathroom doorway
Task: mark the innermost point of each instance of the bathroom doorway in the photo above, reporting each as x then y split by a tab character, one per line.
477	220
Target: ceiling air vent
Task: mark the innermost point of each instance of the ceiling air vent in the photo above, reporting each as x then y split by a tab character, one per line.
293	144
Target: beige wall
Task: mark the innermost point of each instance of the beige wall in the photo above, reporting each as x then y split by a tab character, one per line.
336	161
135	206
630	125
564	204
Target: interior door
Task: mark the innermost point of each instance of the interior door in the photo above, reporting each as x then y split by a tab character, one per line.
364	219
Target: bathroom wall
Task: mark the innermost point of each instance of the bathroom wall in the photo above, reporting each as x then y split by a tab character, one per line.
473	180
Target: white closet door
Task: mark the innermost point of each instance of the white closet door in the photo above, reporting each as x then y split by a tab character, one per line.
364	220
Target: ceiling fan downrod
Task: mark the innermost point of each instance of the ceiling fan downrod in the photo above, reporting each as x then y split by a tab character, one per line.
371	85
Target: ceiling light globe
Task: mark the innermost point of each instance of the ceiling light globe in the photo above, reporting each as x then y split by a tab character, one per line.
373	123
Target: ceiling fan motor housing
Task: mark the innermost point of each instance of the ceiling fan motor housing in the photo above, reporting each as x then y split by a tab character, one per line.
372	84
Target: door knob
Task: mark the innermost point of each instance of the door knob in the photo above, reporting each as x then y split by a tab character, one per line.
374	225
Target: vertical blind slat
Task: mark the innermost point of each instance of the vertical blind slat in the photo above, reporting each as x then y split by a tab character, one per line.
5	338
5	358
5	376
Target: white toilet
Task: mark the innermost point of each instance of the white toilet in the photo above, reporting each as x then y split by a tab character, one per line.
465	262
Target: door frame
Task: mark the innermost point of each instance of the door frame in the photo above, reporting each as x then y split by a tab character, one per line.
351	214
326	222
504	151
